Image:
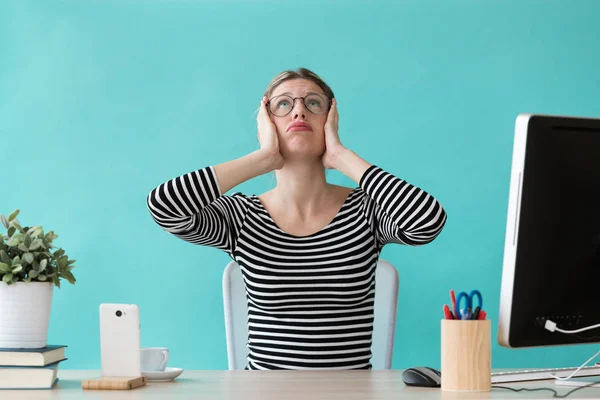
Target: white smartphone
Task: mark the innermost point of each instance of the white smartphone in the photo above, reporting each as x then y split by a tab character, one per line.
120	339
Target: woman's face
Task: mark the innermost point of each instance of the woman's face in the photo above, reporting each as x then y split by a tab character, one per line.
301	132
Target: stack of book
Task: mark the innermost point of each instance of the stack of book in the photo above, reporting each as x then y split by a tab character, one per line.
30	368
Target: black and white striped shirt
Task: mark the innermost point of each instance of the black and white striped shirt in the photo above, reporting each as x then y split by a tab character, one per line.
310	298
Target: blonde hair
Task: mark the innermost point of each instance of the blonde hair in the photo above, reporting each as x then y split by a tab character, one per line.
300	73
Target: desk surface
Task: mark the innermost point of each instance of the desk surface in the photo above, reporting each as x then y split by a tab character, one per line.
281	385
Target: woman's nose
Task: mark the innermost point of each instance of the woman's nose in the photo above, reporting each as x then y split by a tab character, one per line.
299	109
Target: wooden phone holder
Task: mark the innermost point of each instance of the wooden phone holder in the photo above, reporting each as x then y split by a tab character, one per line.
113	383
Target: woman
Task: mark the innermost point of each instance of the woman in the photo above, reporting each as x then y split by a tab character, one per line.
307	249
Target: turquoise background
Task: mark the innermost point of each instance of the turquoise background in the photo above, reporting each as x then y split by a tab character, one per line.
101	101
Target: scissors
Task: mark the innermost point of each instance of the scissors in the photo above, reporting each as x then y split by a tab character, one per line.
469	302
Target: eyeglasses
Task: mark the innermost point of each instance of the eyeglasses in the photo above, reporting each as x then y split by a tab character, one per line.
282	105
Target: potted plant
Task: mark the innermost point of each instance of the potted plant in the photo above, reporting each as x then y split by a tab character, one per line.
29	270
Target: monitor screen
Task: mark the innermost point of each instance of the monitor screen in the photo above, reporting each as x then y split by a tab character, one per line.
551	266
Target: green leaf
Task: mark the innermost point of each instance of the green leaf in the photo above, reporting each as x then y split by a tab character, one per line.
28	257
18	269
72	262
69	276
56	281
16	224
43	265
7	278
59	253
42	277
14	241
16	260
22	247
4	257
27	240
33	273
11	230
27	279
5	268
4	221
13	215
35	244
34	231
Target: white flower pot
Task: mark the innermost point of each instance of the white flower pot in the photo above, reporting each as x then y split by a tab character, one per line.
25	314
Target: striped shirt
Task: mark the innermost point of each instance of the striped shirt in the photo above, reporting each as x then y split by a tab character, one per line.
310	298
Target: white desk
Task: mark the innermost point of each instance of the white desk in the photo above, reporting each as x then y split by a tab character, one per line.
280	385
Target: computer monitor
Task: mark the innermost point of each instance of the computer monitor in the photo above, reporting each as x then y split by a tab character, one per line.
551	267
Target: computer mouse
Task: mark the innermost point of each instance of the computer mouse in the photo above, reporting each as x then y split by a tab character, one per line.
422	376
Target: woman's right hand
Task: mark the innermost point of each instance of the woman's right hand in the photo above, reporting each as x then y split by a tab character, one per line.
267	135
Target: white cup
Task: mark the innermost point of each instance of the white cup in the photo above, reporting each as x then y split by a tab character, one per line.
154	358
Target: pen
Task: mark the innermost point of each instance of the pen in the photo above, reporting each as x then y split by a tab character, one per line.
482	315
447	312
476	313
453	300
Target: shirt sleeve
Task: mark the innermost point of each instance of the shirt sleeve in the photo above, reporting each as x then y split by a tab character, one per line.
193	208
399	212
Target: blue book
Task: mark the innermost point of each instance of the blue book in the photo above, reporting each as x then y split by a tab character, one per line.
29	377
32	357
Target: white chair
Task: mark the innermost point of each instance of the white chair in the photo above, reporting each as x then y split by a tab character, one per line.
236	315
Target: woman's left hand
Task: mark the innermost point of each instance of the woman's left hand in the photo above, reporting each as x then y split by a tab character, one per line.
333	146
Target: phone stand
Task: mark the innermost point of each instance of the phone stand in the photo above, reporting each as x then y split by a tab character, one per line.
113	383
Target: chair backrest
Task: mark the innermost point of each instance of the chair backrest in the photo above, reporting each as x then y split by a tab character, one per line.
236	315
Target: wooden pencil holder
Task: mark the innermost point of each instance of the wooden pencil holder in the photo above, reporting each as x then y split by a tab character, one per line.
466	355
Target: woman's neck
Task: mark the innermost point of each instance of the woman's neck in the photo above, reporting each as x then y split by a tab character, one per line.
302	187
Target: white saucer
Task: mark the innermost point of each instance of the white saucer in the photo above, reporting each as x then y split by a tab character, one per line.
167	375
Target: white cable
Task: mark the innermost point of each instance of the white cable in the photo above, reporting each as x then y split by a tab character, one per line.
551	326
576	371
579	330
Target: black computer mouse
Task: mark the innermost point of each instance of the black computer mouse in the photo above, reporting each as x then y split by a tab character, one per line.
422	376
